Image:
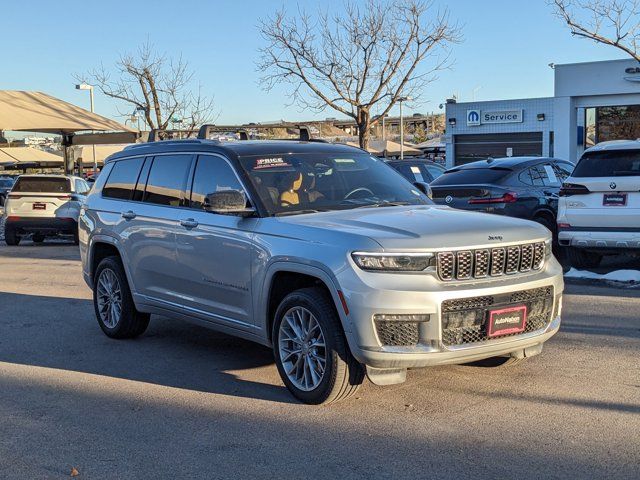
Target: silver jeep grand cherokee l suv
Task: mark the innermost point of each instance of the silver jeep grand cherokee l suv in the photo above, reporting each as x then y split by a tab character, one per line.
321	251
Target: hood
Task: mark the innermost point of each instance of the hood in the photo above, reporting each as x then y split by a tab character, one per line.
416	228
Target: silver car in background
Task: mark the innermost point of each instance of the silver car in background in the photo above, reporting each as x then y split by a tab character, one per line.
320	251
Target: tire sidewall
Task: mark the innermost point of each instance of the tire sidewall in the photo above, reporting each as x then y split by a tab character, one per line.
323	390
118	271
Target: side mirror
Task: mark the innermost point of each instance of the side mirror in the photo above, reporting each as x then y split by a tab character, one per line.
423	187
227	202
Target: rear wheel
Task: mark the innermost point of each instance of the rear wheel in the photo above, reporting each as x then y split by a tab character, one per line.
580	258
552	227
113	304
37	238
310	349
11	238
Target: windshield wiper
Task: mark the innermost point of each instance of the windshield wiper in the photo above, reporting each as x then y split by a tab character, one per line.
385	203
298	212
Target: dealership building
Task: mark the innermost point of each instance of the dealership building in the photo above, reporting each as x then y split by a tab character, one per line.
593	102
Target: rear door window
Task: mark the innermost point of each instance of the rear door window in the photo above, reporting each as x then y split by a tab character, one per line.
621	163
122	179
42	185
167	181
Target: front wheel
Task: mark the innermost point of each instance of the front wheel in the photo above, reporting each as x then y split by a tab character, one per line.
310	349
113	304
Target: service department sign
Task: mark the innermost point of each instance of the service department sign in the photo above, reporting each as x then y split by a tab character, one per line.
477	117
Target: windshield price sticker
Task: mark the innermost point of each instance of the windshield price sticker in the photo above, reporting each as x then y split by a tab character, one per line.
271	163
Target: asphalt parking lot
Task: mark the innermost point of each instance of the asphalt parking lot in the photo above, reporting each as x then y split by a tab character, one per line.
185	402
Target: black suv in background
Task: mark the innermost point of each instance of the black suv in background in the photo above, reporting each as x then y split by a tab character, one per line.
417	170
523	187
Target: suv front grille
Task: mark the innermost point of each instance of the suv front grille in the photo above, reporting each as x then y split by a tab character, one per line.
465	320
469	264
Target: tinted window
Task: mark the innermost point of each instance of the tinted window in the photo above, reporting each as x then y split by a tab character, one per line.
609	164
550	179
470	176
434	170
138	194
6	182
212	174
42	184
563	170
168	180
122	179
411	172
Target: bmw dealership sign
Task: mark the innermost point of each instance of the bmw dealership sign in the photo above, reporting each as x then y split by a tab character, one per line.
477	117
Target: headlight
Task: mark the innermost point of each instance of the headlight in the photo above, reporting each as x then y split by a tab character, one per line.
393	262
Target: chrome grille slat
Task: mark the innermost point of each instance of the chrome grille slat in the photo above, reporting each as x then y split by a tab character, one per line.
464	265
513	260
482	260
494	262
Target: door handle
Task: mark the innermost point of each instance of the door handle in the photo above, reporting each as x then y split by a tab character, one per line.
129	215
189	223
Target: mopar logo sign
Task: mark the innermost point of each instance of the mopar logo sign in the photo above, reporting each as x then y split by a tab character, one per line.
473	117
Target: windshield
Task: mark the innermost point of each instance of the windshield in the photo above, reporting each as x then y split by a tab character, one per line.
301	183
609	164
42	185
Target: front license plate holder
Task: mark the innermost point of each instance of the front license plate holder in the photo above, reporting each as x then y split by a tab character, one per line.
507	321
614	200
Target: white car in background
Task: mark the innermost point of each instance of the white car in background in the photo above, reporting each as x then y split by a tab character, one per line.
42	206
599	205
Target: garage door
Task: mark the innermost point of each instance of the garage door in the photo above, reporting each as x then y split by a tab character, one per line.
469	148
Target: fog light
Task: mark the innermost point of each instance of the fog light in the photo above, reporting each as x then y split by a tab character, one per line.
399	317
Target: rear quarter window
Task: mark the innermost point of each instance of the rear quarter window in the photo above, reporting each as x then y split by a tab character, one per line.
42	185
621	163
470	176
122	179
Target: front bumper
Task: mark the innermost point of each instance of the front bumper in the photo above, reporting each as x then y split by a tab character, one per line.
42	225
599	238
366	296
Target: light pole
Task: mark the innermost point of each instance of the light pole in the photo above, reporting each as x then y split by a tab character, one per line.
401	100
84	86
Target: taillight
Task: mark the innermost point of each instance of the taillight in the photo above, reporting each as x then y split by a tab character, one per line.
569	189
11	218
14	195
64	197
508	197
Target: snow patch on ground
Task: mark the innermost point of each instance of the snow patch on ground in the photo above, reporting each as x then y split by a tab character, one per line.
626	276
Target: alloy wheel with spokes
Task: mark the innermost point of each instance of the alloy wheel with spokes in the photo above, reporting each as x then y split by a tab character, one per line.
109	298
302	348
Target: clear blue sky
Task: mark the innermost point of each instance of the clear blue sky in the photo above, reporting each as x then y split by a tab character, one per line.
507	47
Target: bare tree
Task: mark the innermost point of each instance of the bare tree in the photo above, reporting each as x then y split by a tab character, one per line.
361	59
610	22
158	87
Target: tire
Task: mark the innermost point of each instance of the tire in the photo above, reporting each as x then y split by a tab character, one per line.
11	238
37	238
342	374
130	322
579	258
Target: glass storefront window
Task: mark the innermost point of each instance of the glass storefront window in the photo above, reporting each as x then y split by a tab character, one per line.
611	123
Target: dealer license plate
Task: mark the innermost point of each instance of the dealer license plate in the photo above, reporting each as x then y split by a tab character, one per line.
614	199
507	320
39	206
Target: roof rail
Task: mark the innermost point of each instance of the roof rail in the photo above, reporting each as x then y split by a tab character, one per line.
304	135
